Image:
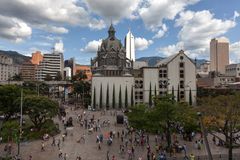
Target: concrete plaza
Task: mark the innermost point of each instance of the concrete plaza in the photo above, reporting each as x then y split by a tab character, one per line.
89	150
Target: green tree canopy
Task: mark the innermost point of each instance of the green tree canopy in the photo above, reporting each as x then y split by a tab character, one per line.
39	109
17	77
48	77
162	117
79	76
58	76
221	116
8	96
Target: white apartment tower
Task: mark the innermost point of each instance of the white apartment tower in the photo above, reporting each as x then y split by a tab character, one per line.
130	46
51	64
219	54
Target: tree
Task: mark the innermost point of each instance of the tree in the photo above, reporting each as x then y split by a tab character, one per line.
126	98
132	97
155	94
150	95
58	76
190	97
39	109
94	98
221	116
120	98
178	94
113	97
82	88
48	77
79	76
137	116
100	98
163	117
155	91
17	77
8	97
107	97
173	98
163	114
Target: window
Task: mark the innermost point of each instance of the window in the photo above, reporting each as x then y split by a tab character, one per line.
181	75
163	73
181	84
181	64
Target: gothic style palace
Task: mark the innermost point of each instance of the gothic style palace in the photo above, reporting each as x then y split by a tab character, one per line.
111	57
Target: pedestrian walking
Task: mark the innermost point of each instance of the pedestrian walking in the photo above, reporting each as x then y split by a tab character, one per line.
113	157
63	137
60	154
185	149
53	142
65	156
58	144
108	158
99	145
192	157
43	147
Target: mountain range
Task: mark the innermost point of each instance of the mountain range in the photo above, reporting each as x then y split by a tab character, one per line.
18	58
152	60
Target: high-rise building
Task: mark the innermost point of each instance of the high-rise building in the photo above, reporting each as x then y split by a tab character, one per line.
84	69
37	57
70	63
130	46
28	70
219	54
51	64
7	68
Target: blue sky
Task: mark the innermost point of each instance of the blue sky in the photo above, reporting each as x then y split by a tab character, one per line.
160	27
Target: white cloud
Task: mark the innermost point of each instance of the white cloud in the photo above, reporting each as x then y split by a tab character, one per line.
142	43
113	9
153	12
49	15
58	47
52	29
235	52
161	32
92	46
14	29
236	15
197	29
171	49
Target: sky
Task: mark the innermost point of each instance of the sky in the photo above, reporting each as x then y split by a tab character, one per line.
161	27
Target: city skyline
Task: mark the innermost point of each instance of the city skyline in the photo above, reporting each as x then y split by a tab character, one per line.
80	25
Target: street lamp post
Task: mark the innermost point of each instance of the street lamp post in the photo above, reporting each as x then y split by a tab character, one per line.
205	136
20	129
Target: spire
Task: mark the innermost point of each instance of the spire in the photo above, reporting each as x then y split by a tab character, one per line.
111	31
111	28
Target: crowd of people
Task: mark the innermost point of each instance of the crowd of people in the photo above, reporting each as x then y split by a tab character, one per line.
133	144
